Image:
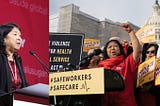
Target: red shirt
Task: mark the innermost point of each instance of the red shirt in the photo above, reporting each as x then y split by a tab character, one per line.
15	75
128	69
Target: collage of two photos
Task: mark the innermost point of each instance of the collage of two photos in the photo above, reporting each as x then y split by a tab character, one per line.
79	53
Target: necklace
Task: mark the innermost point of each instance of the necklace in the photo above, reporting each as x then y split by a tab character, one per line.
13	71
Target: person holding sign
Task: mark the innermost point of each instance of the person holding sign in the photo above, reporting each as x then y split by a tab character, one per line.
12	76
115	59
147	92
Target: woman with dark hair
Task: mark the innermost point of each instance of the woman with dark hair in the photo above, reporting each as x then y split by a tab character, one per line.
115	59
149	50
107	55
148	93
12	76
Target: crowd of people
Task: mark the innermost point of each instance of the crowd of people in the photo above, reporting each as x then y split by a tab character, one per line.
125	57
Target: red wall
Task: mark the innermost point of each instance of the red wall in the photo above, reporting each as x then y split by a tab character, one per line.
33	18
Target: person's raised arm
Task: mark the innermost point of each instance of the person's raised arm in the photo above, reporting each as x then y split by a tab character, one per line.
137	48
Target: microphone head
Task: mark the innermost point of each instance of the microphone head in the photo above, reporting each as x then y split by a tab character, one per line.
84	62
32	52
97	51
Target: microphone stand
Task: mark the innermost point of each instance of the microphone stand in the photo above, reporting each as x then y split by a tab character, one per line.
43	65
45	68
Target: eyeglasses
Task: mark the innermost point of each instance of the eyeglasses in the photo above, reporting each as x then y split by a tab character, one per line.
153	51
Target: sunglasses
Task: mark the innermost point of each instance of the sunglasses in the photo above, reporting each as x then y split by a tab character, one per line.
153	51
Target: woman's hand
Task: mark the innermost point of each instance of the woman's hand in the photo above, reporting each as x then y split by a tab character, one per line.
127	27
134	40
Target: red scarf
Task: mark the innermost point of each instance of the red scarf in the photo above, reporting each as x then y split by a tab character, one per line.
109	63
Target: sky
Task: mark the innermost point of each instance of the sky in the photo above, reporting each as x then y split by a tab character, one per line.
134	11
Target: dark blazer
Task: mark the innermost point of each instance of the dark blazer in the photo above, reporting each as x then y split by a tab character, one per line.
5	76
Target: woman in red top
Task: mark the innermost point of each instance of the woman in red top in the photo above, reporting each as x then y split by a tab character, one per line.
115	59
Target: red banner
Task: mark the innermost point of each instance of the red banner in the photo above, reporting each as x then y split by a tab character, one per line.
32	16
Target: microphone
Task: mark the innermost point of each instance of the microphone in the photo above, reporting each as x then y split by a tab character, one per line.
95	52
61	69
70	67
40	61
86	60
45	68
32	52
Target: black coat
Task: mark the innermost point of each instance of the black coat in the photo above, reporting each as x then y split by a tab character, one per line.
5	74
